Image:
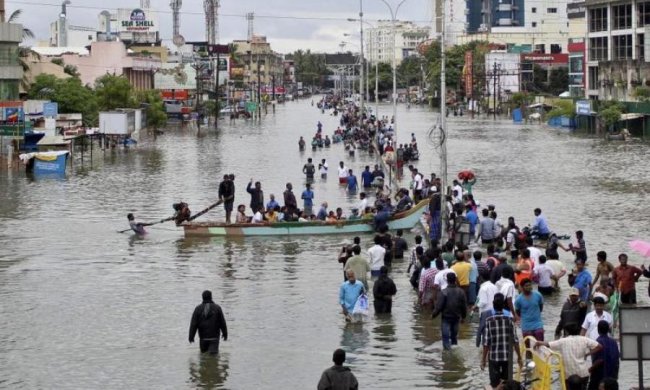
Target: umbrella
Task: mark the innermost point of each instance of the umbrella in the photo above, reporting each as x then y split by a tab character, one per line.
642	247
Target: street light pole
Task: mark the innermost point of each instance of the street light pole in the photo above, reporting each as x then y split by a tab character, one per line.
393	15
362	62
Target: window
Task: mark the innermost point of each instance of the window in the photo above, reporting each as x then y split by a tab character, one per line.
593	77
643	14
539	48
640	46
598	19
621	16
598	48
576	64
8	54
551	10
534	10
622	47
555	49
534	24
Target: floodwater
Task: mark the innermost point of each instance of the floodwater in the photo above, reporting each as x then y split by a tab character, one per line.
82	306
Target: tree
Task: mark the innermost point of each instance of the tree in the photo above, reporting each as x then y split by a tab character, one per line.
385	77
310	67
114	92
409	72
558	80
564	108
610	112
155	110
72	71
70	94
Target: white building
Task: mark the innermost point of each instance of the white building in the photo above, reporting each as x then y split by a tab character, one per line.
65	35
379	40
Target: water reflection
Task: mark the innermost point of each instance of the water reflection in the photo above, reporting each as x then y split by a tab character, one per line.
208	371
355	337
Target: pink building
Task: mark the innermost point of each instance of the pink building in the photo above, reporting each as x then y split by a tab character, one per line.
113	58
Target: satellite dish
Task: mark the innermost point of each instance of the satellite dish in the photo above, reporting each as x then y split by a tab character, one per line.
178	40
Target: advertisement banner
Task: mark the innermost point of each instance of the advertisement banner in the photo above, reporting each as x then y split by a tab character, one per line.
137	20
175	76
51	109
468	73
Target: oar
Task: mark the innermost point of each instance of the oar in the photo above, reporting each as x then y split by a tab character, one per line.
148	224
205	210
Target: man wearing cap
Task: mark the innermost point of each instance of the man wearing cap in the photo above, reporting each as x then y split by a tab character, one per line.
574	311
452	304
208	319
582	280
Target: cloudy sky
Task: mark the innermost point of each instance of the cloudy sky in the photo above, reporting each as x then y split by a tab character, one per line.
318	25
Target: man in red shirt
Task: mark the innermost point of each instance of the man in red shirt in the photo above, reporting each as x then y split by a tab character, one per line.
625	276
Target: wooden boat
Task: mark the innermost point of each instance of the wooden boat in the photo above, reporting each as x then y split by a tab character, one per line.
405	220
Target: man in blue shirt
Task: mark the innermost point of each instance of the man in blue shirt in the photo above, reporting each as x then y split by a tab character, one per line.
322	213
349	292
308	197
540	226
352	182
582	280
366	177
272	204
529	306
472	218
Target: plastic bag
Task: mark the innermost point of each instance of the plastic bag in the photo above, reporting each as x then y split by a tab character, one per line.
361	306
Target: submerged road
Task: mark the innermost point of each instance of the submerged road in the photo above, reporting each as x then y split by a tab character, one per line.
82	306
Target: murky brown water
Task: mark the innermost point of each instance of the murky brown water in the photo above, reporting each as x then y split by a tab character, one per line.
82	306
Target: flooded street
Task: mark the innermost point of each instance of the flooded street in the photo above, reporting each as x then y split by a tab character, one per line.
82	306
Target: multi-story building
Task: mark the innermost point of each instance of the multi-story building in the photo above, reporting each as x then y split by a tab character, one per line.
11	73
258	56
379	40
616	48
544	27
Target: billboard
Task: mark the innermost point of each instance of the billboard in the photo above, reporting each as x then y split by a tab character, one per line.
137	20
175	76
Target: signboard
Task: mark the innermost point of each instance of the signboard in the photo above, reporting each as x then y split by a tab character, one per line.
175	76
50	110
576	10
540	58
223	64
237	72
251	107
14	114
583	107
137	20
221	49
17	130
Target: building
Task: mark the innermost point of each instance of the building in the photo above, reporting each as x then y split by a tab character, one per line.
64	35
379	40
615	48
40	65
260	61
542	26
11	73
577	68
113	58
289	72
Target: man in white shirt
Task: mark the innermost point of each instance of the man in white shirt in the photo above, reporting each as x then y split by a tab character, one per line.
323	166
376	257
363	202
535	252
457	187
258	217
507	287
343	173
545	275
590	324
417	185
486	296
440	280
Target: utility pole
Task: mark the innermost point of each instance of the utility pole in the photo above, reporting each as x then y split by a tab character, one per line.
443	125
273	93
362	62
259	86
216	90
494	90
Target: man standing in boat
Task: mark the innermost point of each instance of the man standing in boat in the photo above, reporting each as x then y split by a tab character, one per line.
290	201
257	195
308	199
227	194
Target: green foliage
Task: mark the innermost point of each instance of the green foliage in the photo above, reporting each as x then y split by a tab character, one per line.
563	108
520	99
409	72
72	71
558	80
58	61
114	92
642	94
455	63
310	67
384	75
610	111
72	96
154	110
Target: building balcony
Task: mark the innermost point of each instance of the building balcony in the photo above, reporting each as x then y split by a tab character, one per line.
12	72
504	7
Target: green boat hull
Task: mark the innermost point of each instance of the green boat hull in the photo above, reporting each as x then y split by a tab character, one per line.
405	220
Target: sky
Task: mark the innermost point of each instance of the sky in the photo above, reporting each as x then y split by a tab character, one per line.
289	25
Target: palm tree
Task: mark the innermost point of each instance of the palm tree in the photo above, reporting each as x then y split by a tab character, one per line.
13	18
